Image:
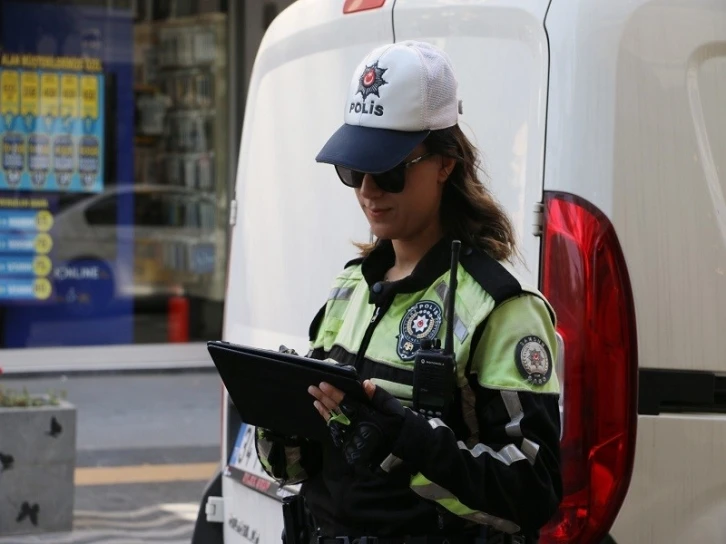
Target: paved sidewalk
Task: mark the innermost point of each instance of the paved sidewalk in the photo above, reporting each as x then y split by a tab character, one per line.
164	523
147	446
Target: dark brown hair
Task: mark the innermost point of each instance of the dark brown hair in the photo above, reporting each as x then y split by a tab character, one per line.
468	210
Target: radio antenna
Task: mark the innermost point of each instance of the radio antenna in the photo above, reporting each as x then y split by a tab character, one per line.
449	346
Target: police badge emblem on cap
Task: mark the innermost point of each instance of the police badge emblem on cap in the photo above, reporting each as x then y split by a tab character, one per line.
422	321
371	80
533	360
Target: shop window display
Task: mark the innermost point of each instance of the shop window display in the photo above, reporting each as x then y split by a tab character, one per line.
113	183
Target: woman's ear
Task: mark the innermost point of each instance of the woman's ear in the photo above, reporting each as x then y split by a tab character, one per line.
447	166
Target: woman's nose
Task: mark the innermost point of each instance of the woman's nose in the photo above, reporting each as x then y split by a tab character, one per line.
369	188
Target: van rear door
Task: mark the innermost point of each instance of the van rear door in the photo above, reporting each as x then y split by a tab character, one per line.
295	219
500	55
637	96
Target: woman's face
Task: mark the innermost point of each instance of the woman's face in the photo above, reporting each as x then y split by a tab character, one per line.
401	216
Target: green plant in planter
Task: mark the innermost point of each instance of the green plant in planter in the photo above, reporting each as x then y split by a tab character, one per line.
12	398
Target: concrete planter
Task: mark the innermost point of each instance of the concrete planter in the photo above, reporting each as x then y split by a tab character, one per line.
37	464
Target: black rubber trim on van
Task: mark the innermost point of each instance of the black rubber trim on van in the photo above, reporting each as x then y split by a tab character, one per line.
680	391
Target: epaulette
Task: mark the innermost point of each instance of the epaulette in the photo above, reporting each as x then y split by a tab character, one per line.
490	274
353	262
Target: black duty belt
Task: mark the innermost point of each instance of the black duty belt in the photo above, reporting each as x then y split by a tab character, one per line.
425	539
395	540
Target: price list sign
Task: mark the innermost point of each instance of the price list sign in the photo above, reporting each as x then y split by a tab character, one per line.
51	123
25	249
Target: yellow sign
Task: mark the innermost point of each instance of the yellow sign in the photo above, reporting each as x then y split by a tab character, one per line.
69	96
10	96
89	97
48	62
52	123
44	220
42	265
49	95
43	243
42	288
24	203
29	93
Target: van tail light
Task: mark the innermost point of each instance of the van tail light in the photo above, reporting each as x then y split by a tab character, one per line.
584	276
354	6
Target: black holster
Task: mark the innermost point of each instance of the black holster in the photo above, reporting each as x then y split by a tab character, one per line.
298	526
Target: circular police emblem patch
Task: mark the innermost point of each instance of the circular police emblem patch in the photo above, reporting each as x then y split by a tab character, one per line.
533	359
422	321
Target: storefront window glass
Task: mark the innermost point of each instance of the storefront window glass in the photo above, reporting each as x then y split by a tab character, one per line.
113	171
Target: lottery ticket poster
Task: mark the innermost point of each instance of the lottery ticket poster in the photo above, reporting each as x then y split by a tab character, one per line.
66	135
26	248
51	123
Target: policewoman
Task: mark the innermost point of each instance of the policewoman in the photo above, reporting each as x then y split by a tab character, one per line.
489	469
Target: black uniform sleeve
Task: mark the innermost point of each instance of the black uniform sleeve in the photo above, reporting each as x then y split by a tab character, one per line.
507	473
291	460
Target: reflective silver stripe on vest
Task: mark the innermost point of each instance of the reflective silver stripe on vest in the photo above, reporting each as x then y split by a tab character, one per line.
530	449
390	462
460	328
508	454
500	524
514	409
435	492
514	429
340	293
436	423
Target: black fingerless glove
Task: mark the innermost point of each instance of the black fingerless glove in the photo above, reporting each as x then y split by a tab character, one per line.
365	433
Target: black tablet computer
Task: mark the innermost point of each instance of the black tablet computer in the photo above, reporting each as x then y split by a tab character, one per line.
270	389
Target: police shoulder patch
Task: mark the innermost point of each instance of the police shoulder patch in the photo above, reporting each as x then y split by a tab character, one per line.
533	359
421	321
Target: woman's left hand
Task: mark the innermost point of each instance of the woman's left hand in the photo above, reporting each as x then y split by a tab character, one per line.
365	432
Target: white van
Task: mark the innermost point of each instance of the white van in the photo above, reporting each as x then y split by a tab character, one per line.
603	128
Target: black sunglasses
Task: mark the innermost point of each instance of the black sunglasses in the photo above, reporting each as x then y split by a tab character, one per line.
391	181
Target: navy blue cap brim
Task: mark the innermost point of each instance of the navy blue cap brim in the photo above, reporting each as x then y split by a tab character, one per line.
366	149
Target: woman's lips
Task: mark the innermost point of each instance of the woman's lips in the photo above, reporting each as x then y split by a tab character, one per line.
377	213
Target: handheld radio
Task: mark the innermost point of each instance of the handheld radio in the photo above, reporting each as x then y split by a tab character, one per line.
434	377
